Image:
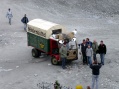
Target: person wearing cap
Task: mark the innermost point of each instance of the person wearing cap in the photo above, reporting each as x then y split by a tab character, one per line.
95	73
63	54
102	51
9	15
89	53
79	87
95	48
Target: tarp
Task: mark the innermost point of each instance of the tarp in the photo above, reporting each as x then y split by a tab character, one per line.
43	28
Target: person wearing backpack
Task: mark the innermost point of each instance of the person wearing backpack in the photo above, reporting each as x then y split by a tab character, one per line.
25	20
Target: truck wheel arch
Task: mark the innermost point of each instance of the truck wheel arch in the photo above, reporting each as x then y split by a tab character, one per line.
54	61
35	53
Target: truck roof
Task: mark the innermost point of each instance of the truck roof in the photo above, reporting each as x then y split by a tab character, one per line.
43	28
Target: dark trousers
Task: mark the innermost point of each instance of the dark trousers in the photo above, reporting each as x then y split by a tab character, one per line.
84	57
94	57
63	62
89	60
9	21
102	57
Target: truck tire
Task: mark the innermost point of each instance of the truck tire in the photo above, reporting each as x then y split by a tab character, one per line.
35	53
54	61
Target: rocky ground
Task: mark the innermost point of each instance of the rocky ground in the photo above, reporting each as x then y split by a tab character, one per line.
94	19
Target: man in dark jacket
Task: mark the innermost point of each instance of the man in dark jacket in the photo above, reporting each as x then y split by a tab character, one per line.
102	51
25	20
83	50
95	73
88	42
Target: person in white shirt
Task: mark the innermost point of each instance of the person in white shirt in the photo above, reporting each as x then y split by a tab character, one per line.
9	15
72	44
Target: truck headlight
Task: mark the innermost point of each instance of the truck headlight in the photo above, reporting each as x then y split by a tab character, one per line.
61	41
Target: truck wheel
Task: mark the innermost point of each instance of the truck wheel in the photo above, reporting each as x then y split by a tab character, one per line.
54	61
35	53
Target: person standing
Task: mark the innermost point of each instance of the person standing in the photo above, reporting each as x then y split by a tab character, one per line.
88	42
25	20
102	51
63	55
89	53
9	15
95	73
88	87
83	50
95	48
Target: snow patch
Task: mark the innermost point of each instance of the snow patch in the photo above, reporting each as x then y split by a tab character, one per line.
5	70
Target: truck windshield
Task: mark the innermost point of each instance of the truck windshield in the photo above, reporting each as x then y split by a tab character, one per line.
57	31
